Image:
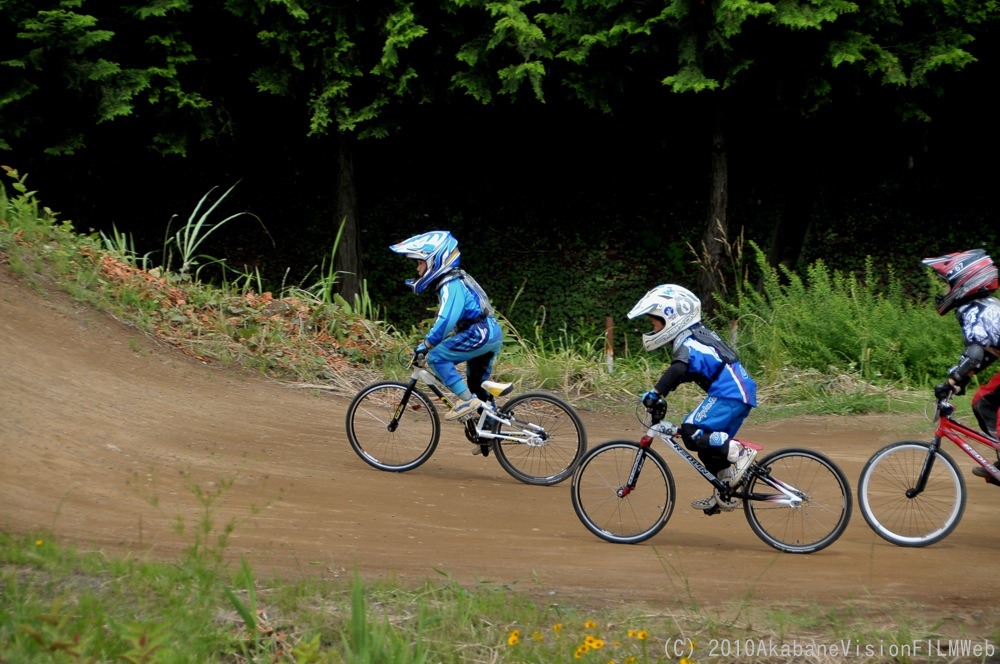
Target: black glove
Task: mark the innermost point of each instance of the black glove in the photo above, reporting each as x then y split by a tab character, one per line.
649	399
419	354
944	391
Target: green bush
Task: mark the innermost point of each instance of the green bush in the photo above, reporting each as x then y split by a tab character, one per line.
838	323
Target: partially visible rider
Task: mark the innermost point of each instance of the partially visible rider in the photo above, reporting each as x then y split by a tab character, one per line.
972	279
465	329
699	355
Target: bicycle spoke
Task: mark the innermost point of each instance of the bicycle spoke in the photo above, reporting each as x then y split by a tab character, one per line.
799	527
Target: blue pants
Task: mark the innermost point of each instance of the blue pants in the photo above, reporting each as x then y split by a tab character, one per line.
477	347
713	414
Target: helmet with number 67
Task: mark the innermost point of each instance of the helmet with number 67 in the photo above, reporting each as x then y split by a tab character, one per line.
677	307
439	249
970	275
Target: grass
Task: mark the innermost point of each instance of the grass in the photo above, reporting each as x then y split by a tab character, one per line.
63	605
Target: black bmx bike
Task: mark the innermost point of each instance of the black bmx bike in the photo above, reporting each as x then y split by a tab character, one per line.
795	500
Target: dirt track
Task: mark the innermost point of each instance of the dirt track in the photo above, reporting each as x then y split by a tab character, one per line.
98	420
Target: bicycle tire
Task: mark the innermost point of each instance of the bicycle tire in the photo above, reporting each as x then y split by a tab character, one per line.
623	520
554	459
410	444
806	527
923	519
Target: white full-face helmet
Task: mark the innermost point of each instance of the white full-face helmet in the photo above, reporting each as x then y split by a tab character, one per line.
677	307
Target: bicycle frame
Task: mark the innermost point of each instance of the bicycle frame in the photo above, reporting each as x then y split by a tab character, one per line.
957	433
666	432
486	428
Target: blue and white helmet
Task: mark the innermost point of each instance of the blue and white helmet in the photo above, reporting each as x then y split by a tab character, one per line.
677	307
439	249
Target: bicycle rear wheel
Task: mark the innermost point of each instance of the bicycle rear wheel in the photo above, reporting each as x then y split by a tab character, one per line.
802	527
554	440
628	519
911	520
393	447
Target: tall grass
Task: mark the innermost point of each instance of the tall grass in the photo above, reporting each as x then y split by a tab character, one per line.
834	324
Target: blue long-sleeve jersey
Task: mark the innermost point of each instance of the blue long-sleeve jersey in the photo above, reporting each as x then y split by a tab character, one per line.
701	363
456	303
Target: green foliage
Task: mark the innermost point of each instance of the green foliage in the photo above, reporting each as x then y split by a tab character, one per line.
106	63
838	323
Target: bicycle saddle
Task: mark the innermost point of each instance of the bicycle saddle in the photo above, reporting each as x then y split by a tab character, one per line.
498	389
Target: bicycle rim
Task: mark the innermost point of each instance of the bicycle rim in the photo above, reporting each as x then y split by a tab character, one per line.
805	527
411	443
925	518
629	519
559	439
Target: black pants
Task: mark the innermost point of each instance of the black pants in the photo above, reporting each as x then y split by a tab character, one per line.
986	403
713	458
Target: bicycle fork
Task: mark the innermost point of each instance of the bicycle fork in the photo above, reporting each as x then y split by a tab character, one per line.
633	476
925	472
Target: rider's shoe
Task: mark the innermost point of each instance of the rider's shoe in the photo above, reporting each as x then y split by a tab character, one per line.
464	409
713	500
979	471
741	457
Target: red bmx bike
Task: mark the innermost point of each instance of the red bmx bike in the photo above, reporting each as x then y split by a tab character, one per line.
913	493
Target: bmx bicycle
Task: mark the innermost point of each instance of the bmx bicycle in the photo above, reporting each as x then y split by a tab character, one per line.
913	493
795	500
536	437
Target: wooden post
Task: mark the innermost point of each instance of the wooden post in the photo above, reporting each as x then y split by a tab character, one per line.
609	343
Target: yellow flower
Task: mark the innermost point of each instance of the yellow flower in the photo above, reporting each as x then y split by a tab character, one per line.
536	635
38	542
515	637
642	635
630	660
590	624
557	627
589	640
597	644
685	660
633	633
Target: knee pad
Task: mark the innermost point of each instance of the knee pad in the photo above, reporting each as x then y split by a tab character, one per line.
693	436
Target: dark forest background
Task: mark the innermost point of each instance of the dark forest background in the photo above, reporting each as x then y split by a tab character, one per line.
565	213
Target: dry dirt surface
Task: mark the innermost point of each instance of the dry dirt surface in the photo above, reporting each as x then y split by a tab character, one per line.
105	431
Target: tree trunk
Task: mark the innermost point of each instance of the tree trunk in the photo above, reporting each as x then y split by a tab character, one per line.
714	240
801	183
348	261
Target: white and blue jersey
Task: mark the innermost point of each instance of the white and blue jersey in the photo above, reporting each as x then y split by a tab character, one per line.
700	357
980	321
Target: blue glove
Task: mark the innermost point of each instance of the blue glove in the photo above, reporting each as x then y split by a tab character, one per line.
649	399
419	353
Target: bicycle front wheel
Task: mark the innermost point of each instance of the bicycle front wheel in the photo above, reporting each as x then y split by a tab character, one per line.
599	481
894	511
388	437
798	527
548	439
